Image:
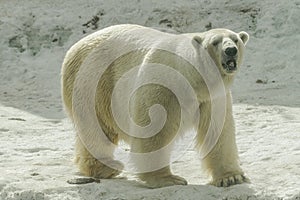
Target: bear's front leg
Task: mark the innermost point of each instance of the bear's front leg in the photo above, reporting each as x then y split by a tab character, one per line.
222	163
153	166
154	170
161	178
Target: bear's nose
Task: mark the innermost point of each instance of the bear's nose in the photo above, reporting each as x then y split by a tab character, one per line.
231	51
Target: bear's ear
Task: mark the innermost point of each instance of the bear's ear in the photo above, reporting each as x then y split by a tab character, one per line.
197	39
244	36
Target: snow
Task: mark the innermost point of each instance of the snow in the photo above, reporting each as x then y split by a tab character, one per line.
37	141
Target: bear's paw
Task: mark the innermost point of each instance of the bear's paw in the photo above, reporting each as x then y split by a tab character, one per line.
230	180
158	182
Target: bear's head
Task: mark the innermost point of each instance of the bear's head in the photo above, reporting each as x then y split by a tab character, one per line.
225	47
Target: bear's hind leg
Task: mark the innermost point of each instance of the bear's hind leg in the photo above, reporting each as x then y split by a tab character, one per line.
90	166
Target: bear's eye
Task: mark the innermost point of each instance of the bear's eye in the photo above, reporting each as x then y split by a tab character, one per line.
216	40
235	39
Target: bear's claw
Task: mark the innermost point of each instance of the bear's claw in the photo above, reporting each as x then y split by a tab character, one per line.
230	180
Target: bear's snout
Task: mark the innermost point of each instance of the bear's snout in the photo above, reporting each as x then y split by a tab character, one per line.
231	51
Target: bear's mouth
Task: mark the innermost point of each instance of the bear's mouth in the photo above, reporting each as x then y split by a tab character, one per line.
230	66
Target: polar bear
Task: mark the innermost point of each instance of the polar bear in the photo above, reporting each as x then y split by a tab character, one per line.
223	47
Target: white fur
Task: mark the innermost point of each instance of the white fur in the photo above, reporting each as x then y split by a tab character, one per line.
92	54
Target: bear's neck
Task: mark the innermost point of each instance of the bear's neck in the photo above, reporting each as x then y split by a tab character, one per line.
228	81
